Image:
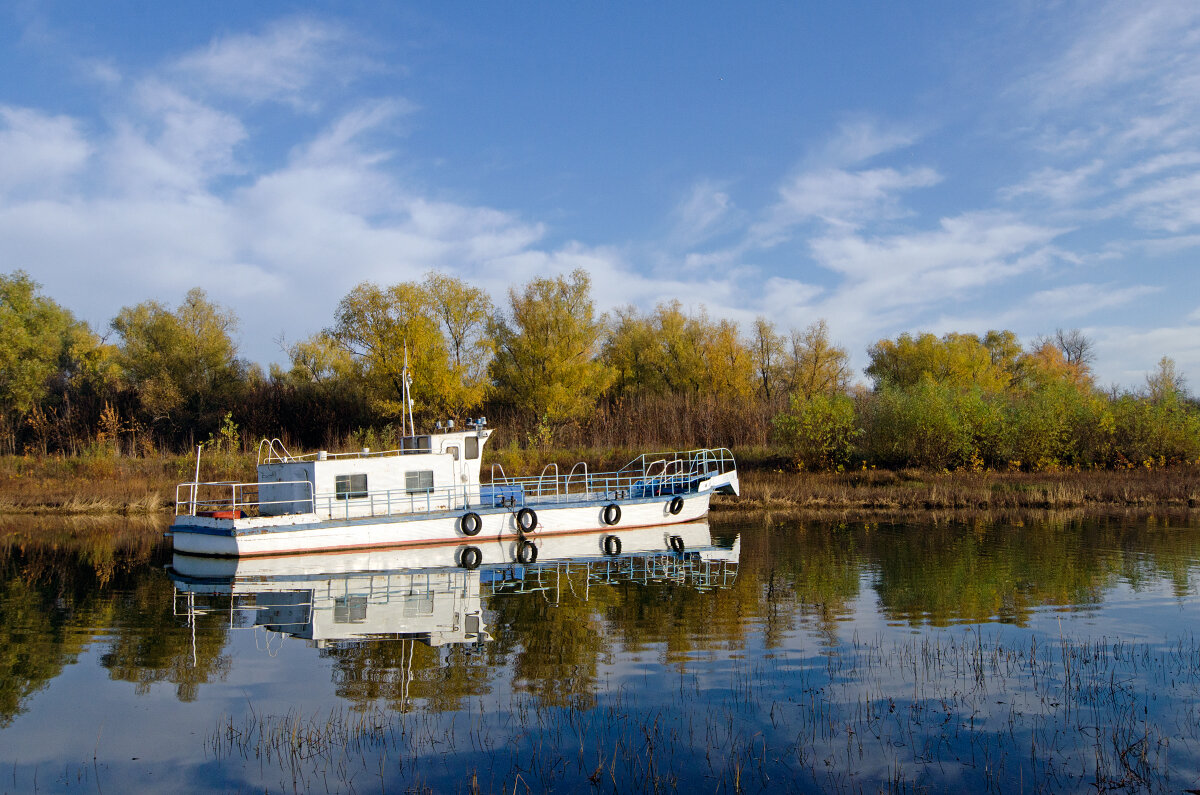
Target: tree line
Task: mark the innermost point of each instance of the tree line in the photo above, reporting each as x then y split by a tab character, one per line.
551	370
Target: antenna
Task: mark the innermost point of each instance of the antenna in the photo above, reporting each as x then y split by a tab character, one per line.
408	403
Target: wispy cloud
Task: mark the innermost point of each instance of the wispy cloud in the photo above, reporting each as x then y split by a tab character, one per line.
285	63
707	210
40	151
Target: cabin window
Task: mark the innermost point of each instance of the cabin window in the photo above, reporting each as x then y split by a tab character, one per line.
350	487
419	482
472	448
416	444
350	609
453	451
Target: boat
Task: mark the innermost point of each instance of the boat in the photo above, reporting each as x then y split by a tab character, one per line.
429	491
435	594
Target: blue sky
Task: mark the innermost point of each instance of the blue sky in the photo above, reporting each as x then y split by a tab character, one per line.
954	167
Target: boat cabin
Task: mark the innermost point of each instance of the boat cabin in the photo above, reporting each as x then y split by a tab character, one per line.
429	472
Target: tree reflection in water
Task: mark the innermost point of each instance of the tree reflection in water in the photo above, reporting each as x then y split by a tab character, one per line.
763	677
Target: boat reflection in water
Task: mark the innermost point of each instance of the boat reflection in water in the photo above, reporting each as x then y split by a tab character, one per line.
436	594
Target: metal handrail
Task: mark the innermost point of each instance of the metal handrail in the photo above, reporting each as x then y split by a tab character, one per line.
571	474
196	503
282	456
542	476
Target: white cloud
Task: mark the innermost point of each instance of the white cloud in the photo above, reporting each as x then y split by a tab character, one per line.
1078	300
1156	165
1126	354
1059	186
283	64
1121	44
40	151
707	210
859	141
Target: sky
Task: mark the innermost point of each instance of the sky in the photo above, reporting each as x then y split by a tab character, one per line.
942	167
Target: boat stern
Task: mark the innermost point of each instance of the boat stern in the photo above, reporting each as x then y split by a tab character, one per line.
725	483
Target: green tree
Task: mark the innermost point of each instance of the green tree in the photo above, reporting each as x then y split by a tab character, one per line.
39	340
820	431
547	347
183	364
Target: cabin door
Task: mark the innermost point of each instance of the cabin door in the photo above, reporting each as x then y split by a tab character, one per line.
456	472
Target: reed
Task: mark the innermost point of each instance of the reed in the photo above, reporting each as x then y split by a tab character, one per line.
961	709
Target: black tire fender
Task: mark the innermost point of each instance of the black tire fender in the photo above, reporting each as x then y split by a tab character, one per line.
527	552
470	558
611	545
470	523
526	520
675	505
611	514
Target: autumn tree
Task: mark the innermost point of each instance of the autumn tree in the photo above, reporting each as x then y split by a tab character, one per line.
463	312
814	365
1076	347
674	352
767	349
437	323
632	348
319	359
953	359
547	347
1166	383
382	329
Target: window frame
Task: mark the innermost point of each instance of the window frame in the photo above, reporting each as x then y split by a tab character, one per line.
421	475
344	486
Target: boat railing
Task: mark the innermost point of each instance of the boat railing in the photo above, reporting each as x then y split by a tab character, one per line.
643	568
276	453
567	483
542	478
236	499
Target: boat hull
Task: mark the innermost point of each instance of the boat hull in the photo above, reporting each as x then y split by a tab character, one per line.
243	537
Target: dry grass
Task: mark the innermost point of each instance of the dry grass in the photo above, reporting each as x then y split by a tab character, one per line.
99	485
130	486
910	490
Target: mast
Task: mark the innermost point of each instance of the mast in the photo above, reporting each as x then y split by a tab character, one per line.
408	403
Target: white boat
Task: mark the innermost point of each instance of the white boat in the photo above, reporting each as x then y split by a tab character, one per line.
430	491
434	594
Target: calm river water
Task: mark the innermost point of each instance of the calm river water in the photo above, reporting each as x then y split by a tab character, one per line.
1061	654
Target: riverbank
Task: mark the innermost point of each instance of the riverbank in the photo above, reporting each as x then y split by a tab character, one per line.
907	491
96	485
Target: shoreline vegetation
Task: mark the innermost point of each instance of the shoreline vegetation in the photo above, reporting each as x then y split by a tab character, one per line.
131	486
957	422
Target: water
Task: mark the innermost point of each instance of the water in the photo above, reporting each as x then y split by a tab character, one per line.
1057	655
